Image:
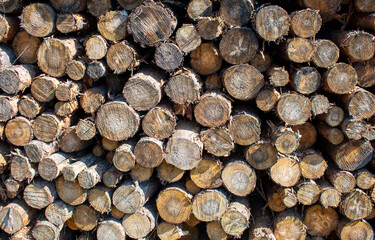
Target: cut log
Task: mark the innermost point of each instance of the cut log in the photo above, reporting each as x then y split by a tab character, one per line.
18	131
215	231
261	228
278	76
68	7
261	61
245	127
85	129
199	8
308	134
333	135
13	187
236	218
9	26
50	167
9	6
67	91
98	7
70	192
366	72
124	159
308	192
306	80
285	172
96	70
141	174
110	229
120	56
40	194
325	53
112	177
58	212
112	25
25	47
305	23
261	155
298	50
43	88
356	205
267	99
96	47
356	230
285	139
209	205
168	56
340	79
218	141
17	78
93	98
8	106
159	122
294	109
69	141
206	59
184	148
327	8
334	116
289	197
360	103
365	179
14	216
236	13
174	204
343	181
21	169
66	109
139	224
210	28
29	107
312	164
72	22
275	200
239	178
117	214
37	150
91	176
329	195
320	221
207	174
38	19
148	152
143	32
187	38
167	173
132	195
85	217
272	22
117	121
71	171
353	128
169	231
100	198
54	55
286	221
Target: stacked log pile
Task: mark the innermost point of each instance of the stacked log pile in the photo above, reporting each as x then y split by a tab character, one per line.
200	119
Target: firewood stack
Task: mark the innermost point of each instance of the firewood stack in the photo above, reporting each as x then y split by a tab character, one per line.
200	119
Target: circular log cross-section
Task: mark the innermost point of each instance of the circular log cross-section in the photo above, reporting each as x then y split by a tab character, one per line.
356	205
38	19
285	172
341	78
187	38
312	165
112	25
85	217
148	152
306	23
159	122
355	230
47	127
261	155
245	127
298	50
272	22
218	141
239	178
120	57
326	53
70	192
207	174
25	47
209	205
70	6
19	131
29	107
43	88
168	56
124	159
306	80
294	109
360	103
206	59
16	78
236	12
40	194
199	8
278	76
110	229
320	221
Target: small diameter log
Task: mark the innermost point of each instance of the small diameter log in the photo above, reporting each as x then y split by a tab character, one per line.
96	70
29	107
43	88
286	221
13	187
272	22
141	174
69	141
215	231
37	150
320	221
243	82
7	57
72	22
210	205
159	122
261	155
40	194
343	181
285	172
96	47
98	7
18	131
333	135
9	6
59	212
207	174
312	164
308	192
236	218
360	103
54	55
174	204
132	195
275	200
199	8
110	229
364	5
325	53
117	214
25	47
93	98
67	91
261	61
50	167
340	79
168	56
112	25
239	178
305	23
306	80
267	99
357	45
167	173
17	78
9	26
210	28
112	177
38	19
20	168
298	50
124	159
169	231
143	32
289	197
117	121
139	224
245	127
334	116
294	109
148	152
85	217
242	15
71	171
65	109
238	45
278	76
356	205
365	179
14	216
351	155
70	192
356	230
100	198
329	195
366	72
45	230
285	139
184	148
187	38
218	141
91	176
206	59
85	129
308	134
8	107
120	57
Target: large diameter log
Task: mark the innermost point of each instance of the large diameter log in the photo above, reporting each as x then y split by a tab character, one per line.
25	47
70	192
360	103
285	172
218	141
243	82
320	221
236	218
209	205
167	173
20	168
340	79
187	38
8	107
117	121
242	14
140	28
40	194
286	221
120	57
110	229
356	205
18	131
356	230
294	109
305	23
85	217
38	19
58	212
91	176
239	178
45	230
272	22
184	148
343	181
206	59
312	164
139	224
17	78
71	171
132	195
261	155
14	216
112	25
326	53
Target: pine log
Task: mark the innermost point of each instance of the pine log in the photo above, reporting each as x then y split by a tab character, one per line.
325	53
43	88
343	181
8	107
25	47
215	231
117	121
141	174
17	78
21	169
308	134
285	172
289	197
9	26
184	148
112	25
210	28
312	164
124	159
100	199
327	8
366	73
45	230
333	135
85	129
29	107
58	212
356	230
72	22
208	173
40	194
143	32
143	90
93	98
14	216
92	175
278	76
199	8
70	192
50	167
85	217
275	200
96	47
239	178
110	229
365	179
169	231
306	80
329	196
298	50
66	109
13	187
272	22
132	195
117	214
68	7
18	131
261	155
236	218
67	91
305	23
168	56
340	79
148	152
261	61
334	116
218	141
112	177
286	221
206	59
37	150
320	221
159	122
356	205
285	139
96	70
71	171
308	192
267	99
120	56
294	109
360	103
98	7
10	6
240	16
210	205
38	19
167	173
54	55
69	141
139	224
187	38
261	224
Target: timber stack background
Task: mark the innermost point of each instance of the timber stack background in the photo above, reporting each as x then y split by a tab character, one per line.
199	119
